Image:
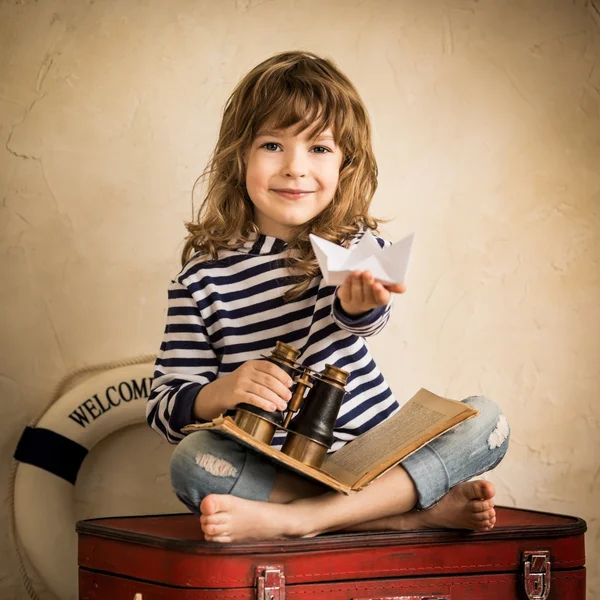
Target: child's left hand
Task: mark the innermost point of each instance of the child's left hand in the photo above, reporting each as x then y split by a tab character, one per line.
360	293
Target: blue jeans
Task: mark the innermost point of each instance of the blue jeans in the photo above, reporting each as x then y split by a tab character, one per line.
206	462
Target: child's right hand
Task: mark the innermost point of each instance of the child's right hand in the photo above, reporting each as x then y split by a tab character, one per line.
257	382
260	383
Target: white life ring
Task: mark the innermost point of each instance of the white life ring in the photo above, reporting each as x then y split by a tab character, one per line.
49	456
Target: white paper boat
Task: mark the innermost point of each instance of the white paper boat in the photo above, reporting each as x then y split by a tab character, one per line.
388	265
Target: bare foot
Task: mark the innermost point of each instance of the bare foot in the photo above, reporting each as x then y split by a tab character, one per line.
468	505
230	519
226	518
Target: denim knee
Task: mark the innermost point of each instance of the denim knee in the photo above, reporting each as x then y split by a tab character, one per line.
206	462
490	424
470	449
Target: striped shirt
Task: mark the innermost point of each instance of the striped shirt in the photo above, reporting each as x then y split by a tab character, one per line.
224	312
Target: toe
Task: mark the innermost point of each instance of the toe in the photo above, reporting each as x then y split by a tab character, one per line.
215	503
480	517
208	506
484	525
483	489
218	519
216	529
481	505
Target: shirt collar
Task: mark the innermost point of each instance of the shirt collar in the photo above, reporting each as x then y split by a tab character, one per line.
262	244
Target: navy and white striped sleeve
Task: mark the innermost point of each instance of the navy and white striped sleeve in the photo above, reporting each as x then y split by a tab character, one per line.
371	322
365	325
186	363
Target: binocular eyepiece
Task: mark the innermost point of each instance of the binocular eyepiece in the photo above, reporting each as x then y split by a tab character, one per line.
309	421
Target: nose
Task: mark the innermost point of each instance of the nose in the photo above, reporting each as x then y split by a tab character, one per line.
295	164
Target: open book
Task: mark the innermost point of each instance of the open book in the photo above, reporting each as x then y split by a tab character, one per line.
423	418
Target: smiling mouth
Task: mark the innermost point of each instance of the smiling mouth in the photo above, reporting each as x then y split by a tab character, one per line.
292	194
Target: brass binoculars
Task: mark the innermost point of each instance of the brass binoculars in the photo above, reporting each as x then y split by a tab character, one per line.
309	421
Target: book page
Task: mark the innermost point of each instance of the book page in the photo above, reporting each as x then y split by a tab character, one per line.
421	419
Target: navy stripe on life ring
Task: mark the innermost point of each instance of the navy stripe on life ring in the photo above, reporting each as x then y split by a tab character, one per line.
51	452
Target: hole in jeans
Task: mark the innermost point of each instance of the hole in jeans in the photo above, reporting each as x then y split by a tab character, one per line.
216	466
499	435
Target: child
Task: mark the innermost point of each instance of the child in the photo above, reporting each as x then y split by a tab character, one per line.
294	157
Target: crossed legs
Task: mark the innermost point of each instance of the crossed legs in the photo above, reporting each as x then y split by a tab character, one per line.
240	496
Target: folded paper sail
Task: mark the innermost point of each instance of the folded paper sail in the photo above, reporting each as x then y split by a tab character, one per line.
388	265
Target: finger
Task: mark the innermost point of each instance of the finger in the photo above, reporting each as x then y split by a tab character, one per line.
269	395
271	369
357	289
381	294
368	288
272	383
345	291
257	398
397	288
377	294
350	278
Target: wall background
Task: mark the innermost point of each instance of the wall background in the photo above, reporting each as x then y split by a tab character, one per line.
486	119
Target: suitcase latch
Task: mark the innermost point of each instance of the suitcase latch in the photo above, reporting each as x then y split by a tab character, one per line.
537	574
270	583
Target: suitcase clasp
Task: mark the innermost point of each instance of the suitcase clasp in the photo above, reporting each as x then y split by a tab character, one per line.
537	574
270	583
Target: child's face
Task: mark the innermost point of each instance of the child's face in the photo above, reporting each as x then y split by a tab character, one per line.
280	160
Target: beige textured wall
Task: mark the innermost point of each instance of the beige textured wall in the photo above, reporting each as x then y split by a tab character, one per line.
487	130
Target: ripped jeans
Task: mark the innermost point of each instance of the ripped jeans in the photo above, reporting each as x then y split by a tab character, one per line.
206	462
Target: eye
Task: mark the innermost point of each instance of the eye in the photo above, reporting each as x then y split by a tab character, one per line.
327	150
269	144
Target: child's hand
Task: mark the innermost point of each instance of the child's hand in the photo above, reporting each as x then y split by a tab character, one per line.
257	382
360	293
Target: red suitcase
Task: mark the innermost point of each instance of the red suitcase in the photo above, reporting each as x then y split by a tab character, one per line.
527	555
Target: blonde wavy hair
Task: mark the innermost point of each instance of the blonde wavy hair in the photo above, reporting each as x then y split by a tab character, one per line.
298	89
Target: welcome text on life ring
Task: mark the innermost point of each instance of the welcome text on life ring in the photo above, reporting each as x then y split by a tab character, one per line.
126	391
